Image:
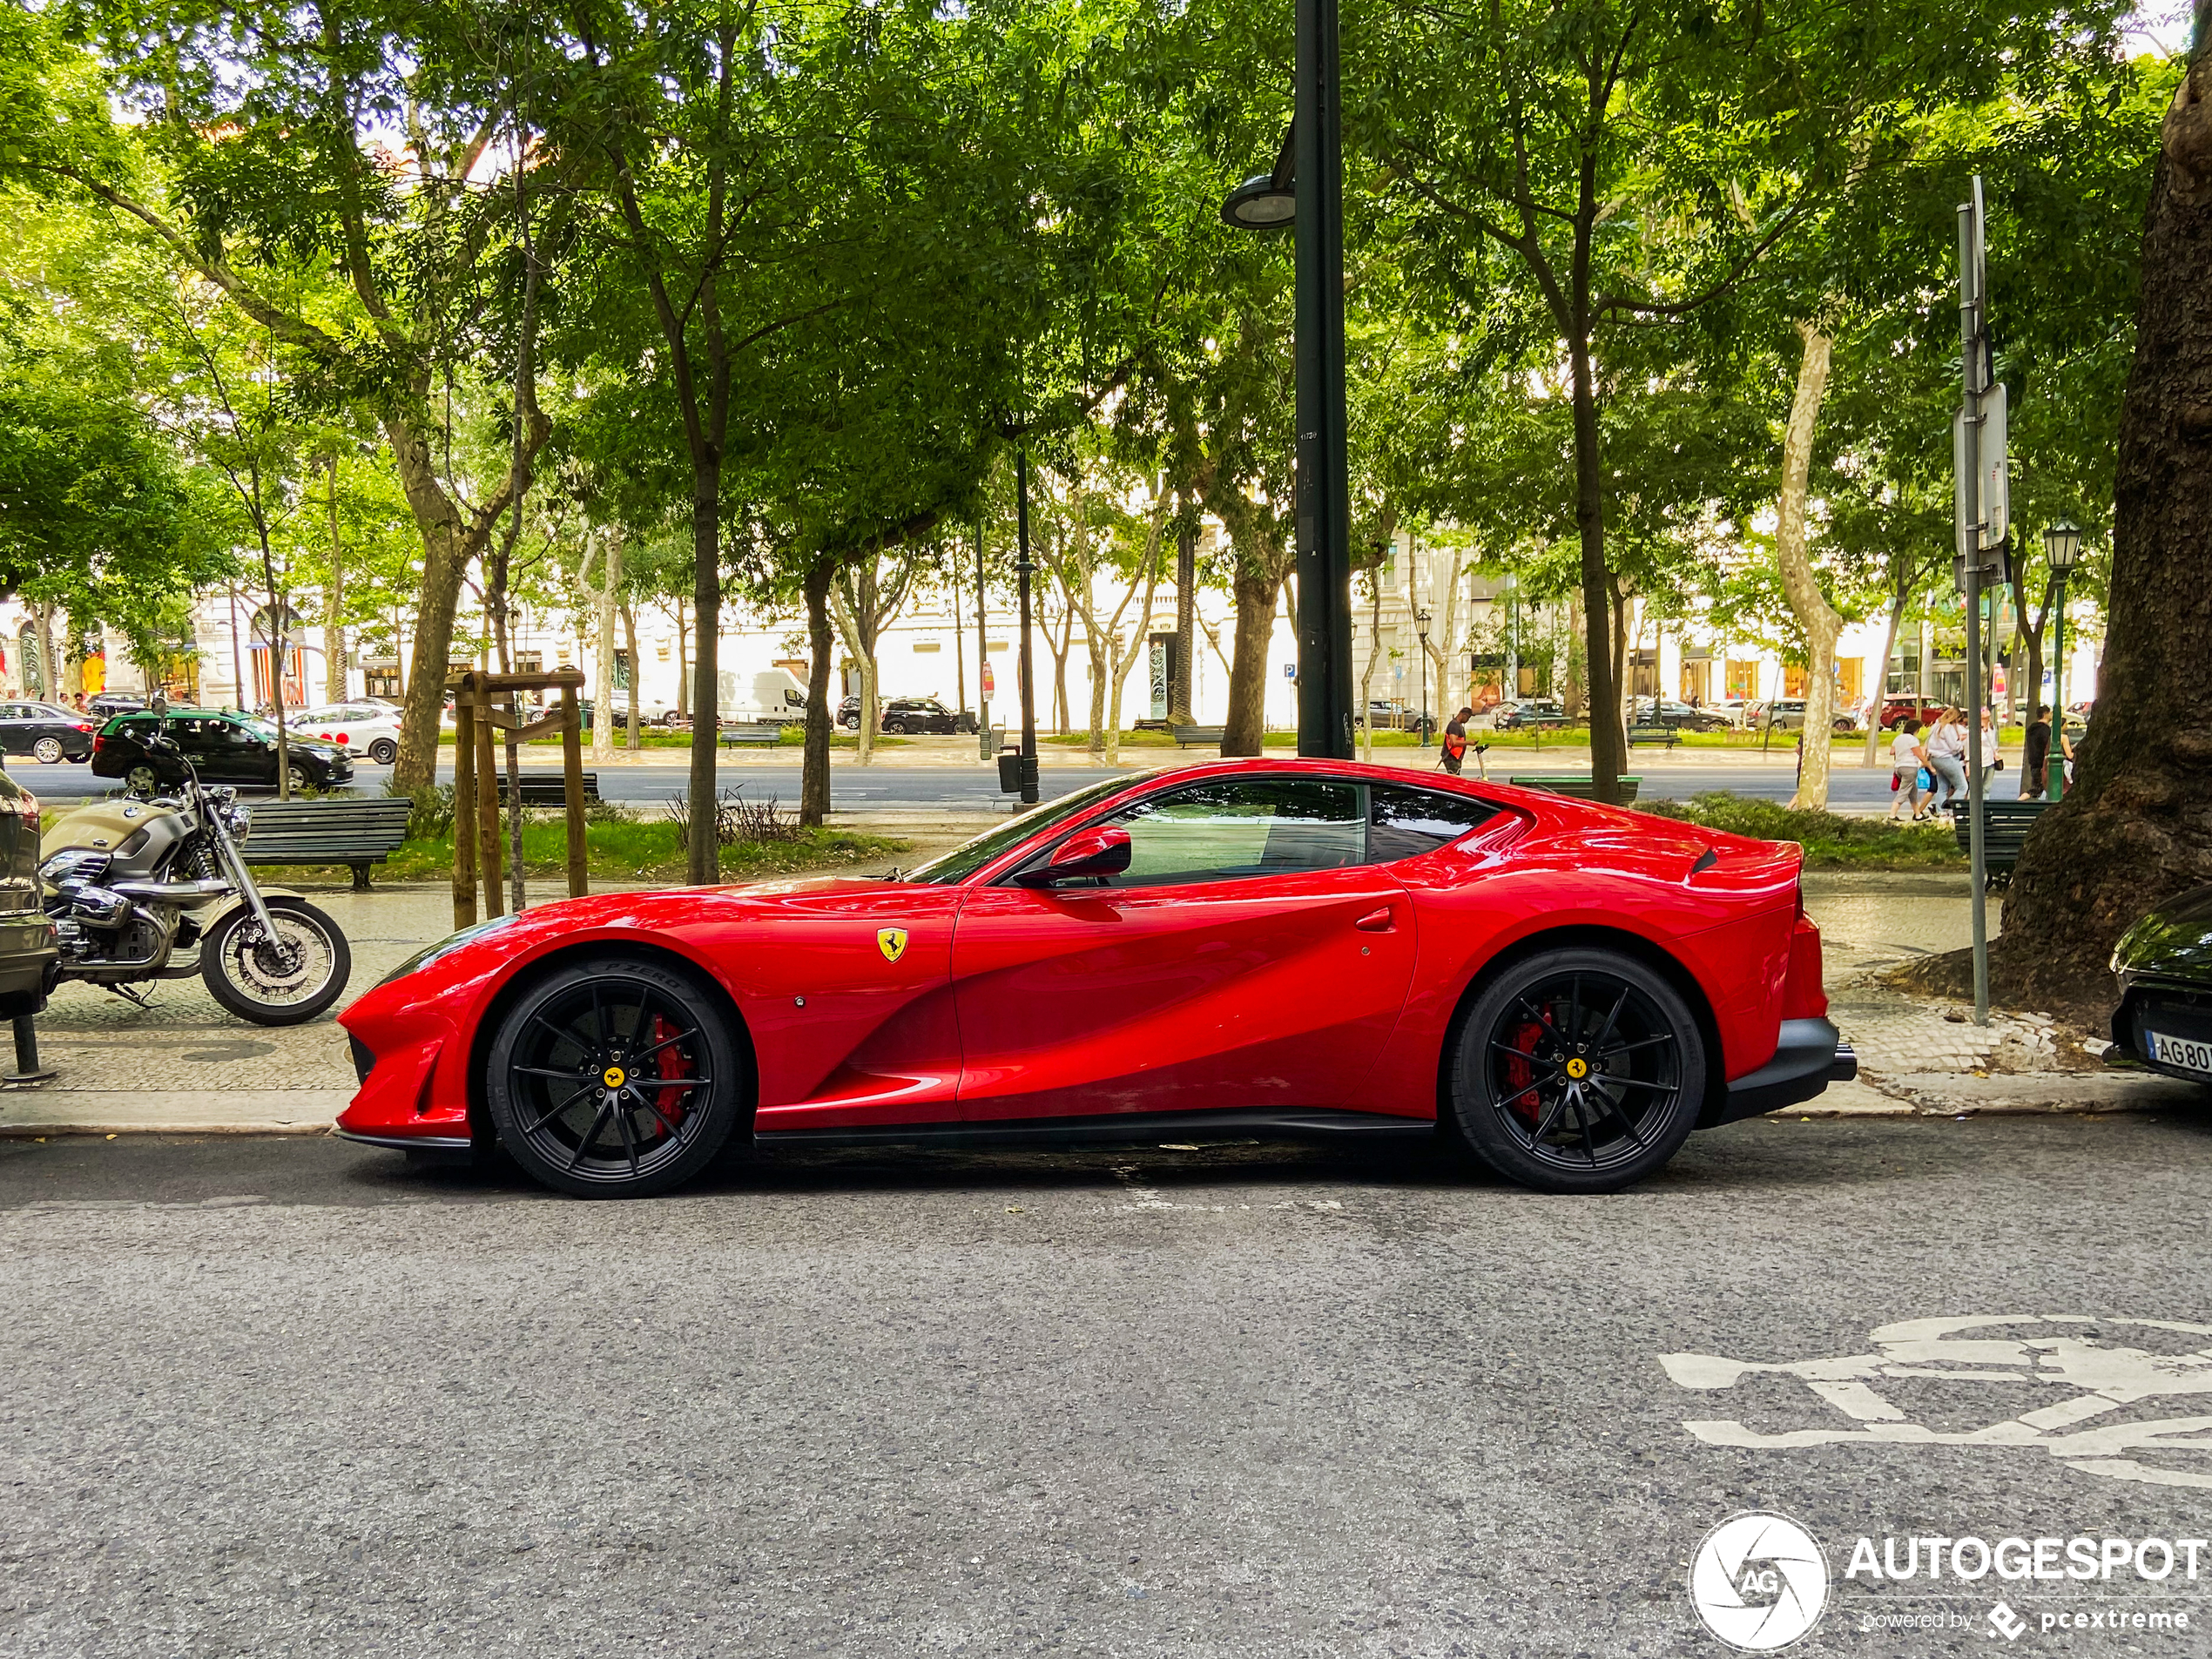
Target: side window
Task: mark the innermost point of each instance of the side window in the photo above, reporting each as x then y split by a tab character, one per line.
1403	821
1239	828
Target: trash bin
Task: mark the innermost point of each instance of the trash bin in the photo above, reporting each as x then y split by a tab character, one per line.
1009	772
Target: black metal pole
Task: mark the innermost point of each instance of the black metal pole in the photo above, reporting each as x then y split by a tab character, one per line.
982	656
1028	684
2053	762
1186	582
1324	509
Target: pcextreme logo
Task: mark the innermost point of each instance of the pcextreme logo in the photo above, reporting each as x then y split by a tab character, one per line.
1758	1581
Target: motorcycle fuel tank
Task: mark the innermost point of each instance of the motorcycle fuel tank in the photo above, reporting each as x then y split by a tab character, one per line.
104	826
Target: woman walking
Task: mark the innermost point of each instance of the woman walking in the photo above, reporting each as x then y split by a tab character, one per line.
1946	752
1907	755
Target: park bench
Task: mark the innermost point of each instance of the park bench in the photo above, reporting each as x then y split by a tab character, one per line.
751	737
1582	788
1205	736
355	832
1666	734
548	788
2004	825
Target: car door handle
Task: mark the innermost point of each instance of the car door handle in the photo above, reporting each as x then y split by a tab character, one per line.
1377	921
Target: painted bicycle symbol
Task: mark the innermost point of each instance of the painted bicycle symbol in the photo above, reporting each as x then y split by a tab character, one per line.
2067	1371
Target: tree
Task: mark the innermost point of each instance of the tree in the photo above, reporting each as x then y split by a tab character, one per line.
2136	829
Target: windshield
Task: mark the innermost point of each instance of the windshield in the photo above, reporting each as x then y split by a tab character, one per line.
965	860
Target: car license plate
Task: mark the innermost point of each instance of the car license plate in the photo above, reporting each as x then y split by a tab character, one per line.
2181	1052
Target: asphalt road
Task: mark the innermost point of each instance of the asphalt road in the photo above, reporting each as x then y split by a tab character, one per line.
892	787
295	1396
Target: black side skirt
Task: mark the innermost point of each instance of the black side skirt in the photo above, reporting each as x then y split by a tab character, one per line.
1811	1056
1115	1128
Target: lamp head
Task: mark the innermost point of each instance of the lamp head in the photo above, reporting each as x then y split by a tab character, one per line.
1260	204
2063	545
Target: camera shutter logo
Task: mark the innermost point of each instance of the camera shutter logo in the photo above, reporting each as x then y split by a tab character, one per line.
1758	1582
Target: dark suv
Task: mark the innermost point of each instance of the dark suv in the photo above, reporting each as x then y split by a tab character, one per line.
224	748
902	715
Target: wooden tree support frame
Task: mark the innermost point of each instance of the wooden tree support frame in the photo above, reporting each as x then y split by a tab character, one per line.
484	703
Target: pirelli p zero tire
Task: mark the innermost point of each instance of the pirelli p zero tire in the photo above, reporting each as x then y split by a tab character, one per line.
1577	1071
615	1077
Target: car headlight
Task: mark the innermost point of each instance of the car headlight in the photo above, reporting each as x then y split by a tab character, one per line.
446	946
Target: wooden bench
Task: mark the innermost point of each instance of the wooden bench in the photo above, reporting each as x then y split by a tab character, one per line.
355	832
2004	825
1667	734
1205	736
1582	788
549	789
751	737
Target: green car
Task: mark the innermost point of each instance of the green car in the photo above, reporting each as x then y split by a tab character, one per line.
2164	963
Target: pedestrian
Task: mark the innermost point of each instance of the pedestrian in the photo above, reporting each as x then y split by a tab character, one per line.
1992	762
1946	749
1907	756
1455	741
2035	756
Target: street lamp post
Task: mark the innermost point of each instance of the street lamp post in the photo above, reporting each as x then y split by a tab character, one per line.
2062	548
1420	717
1023	568
1306	189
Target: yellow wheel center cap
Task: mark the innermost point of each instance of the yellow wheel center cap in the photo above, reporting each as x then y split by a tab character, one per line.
1578	1069
612	1077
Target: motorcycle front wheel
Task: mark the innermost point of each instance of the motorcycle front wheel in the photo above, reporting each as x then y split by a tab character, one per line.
284	977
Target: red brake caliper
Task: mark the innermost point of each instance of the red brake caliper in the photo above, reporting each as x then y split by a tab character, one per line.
670	1063
1521	1073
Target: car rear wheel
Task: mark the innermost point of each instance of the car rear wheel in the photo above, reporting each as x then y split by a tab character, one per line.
615	1078
1577	1071
383	751
48	750
140	779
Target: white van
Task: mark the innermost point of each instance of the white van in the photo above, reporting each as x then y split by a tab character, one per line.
773	696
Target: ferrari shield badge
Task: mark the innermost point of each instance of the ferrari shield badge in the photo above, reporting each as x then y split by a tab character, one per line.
891	942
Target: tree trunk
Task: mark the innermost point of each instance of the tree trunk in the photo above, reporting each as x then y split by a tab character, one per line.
1882	684
1246	725
814	783
635	738
1608	751
1800	582
1367	678
703	856
333	606
602	605
2136	827
841	611
49	682
683	660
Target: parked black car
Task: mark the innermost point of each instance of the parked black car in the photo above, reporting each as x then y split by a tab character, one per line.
49	734
2165	967
902	715
30	959
1667	712
224	748
1530	713
106	704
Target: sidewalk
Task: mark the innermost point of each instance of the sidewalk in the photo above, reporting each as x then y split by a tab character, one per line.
183	1066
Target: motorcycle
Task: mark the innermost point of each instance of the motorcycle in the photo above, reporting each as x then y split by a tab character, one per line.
131	879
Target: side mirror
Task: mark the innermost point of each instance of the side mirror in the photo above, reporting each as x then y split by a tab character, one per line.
1101	851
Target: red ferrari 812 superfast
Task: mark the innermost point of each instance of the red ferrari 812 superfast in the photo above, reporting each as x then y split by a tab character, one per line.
1268	948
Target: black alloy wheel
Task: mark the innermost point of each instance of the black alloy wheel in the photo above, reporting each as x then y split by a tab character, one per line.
1577	1071
615	1078
383	751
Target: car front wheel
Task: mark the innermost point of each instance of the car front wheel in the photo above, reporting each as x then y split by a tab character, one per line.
615	1078
1577	1071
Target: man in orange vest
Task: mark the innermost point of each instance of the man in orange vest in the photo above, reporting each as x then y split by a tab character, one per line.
1455	741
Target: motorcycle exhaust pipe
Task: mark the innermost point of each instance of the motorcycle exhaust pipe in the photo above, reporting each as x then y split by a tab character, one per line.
186	895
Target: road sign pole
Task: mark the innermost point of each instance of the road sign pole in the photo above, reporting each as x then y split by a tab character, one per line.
1972	522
